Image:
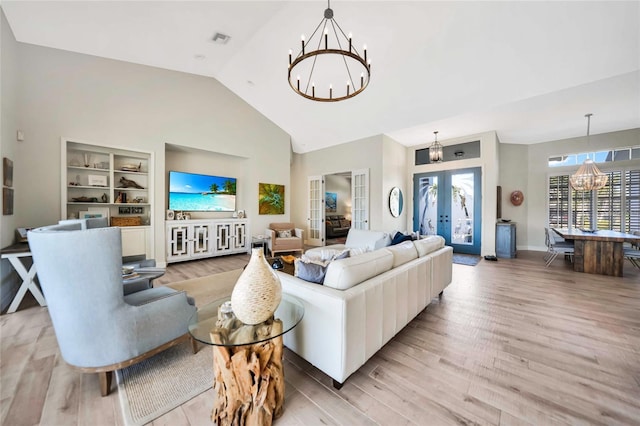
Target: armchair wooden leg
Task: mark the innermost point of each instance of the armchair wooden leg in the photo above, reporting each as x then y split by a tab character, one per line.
105	378
194	345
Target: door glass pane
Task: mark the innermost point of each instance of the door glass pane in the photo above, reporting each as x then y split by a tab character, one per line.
360	199
428	205
462	193
315	214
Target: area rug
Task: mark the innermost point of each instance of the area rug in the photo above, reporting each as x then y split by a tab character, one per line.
163	382
207	289
466	259
153	387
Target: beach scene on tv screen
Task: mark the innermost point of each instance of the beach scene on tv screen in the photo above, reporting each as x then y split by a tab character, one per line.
195	192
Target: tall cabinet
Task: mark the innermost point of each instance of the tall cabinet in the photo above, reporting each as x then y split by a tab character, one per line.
506	240
103	181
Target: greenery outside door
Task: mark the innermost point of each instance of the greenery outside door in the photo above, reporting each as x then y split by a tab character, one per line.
449	203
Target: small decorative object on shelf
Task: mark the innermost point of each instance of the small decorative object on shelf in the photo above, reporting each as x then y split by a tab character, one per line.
257	292
131	167
128	183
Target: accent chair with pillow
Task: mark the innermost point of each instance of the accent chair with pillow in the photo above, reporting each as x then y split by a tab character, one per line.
284	237
98	328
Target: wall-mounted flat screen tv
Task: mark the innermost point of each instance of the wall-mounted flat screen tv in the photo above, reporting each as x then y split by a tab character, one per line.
201	193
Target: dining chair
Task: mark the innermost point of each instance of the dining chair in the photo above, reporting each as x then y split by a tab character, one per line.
632	254
554	248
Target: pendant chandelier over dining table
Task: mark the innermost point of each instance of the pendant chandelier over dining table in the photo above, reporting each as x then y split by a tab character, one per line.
588	177
335	70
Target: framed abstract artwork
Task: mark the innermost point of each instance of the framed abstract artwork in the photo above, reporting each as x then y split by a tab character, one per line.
270	198
7	201
330	202
7	172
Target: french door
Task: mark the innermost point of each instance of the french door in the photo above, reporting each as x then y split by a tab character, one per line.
315	211
449	204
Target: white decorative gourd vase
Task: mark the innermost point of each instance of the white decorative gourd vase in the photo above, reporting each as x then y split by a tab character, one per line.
257	292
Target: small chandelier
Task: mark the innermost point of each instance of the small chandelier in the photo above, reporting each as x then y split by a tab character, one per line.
435	151
588	177
316	71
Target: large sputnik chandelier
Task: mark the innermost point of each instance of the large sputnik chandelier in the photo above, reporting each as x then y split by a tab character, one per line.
588	177
335	70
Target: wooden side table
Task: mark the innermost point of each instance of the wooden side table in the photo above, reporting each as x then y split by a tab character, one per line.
247	361
15	254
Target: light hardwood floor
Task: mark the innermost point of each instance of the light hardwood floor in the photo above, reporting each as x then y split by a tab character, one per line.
510	343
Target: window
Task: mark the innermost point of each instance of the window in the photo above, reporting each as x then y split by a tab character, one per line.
615	207
619	154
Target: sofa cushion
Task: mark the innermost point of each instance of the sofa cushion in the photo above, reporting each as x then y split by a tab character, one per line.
324	254
372	240
345	273
402	253
426	245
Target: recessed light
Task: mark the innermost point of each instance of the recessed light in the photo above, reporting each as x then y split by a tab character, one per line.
199	57
250	83
220	38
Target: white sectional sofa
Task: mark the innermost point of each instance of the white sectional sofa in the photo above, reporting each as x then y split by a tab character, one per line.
365	300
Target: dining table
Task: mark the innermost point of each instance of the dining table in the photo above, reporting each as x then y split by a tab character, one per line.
598	251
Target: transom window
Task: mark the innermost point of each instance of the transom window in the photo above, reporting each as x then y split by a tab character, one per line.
617	154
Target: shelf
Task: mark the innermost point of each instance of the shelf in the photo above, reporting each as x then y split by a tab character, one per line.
87	187
130	189
92	169
79	203
131	173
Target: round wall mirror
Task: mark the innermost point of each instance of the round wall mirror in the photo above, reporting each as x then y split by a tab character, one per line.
395	201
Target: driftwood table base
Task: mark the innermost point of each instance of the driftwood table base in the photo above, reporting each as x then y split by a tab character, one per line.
248	380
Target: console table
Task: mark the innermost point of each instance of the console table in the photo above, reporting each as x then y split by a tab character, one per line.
200	238
15	255
598	252
247	361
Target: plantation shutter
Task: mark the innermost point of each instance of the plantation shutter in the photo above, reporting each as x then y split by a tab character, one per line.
559	201
632	201
609	203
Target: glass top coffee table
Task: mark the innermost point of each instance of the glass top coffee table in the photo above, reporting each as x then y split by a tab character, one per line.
205	324
247	360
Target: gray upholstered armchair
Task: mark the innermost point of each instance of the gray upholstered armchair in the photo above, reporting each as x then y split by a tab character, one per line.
98	328
139	263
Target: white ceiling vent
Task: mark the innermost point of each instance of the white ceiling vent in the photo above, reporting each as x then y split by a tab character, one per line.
221	38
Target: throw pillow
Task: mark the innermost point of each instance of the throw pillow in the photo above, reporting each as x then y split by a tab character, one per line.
311	272
400	237
342	255
345	223
285	233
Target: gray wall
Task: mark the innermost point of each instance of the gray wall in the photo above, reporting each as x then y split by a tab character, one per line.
361	154
538	172
8	126
119	104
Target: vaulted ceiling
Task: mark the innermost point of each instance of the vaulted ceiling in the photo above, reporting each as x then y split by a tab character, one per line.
528	70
